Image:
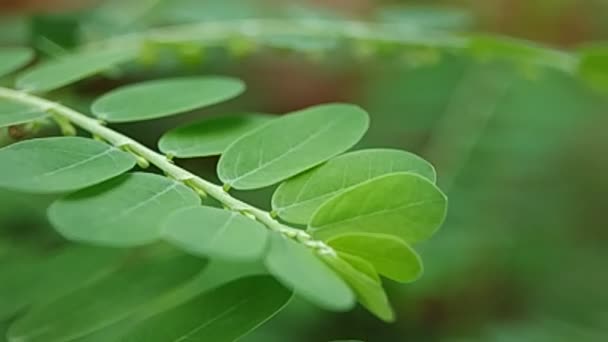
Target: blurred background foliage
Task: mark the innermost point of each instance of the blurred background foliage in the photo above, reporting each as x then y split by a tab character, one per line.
520	151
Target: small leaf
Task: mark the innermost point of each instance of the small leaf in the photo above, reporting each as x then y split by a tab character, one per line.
298	198
216	233
298	267
404	205
13	58
291	144
14	113
110	300
209	137
369	291
160	98
125	211
389	255
360	265
72	68
223	314
60	164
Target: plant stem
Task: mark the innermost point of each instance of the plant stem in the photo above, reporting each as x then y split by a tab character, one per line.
99	130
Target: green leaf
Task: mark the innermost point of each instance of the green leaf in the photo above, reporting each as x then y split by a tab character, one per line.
593	65
210	136
14	113
125	211
216	233
225	313
370	292
13	58
300	268
291	144
60	164
105	302
72	68
403	204
160	98
389	255
360	265
298	198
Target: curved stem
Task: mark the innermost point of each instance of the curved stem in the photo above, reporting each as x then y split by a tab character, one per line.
98	130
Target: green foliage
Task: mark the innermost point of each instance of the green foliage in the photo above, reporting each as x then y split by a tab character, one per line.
12	59
14	113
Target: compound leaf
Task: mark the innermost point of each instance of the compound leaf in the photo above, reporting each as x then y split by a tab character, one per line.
291	144
72	68
160	98
13	58
299	268
216	233
60	164
390	256
222	314
125	211
209	137
403	204
14	113
298	198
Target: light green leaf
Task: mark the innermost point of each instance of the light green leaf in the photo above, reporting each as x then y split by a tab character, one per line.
225	313
105	302
369	291
14	113
291	144
13	58
209	137
125	211
593	65
300	268
160	98
72	68
60	164
360	265
391	256
216	233
298	198
403	204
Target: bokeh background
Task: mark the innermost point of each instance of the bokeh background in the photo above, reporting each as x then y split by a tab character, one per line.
522	154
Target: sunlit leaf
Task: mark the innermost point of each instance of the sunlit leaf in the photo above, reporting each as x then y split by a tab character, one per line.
301	269
72	68
110	300
223	314
360	265
593	65
291	144
216	233
298	198
60	164
14	113
13	58
165	97
390	256
209	137
125	211
404	205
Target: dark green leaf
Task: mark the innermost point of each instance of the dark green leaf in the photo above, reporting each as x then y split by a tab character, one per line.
14	113
13	58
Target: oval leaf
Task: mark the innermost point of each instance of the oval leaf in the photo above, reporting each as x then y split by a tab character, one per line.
72	68
60	164
214	232
209	137
160	98
298	198
391	256
125	211
291	144
110	300
404	205
15	113
223	314
301	269
13	58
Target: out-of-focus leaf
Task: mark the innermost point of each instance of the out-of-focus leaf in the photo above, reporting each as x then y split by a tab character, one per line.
165	97
14	113
291	144
60	164
125	211
426	18
13	58
593	65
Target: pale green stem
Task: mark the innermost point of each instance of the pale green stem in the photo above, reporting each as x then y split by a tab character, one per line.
98	130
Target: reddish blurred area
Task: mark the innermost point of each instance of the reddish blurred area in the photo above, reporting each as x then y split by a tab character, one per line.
28	6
